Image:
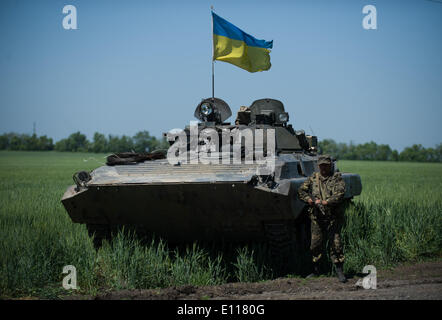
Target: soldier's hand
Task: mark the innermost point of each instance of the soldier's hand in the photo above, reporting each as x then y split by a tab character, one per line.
317	201
310	201
324	203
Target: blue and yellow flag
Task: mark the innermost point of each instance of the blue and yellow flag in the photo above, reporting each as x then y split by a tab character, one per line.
232	45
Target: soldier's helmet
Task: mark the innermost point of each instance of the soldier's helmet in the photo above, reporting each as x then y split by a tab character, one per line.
324	159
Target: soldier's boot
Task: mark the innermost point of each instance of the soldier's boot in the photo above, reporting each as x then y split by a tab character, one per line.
315	272
340	272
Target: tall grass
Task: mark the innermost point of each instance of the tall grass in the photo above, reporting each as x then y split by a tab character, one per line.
397	218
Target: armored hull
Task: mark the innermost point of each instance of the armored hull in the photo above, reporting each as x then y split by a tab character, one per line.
193	202
215	201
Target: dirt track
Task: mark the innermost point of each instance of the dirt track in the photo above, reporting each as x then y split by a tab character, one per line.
417	281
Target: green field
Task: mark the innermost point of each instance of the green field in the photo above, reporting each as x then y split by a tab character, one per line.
397	218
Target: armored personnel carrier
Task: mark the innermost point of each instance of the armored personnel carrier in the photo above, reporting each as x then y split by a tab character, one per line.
199	190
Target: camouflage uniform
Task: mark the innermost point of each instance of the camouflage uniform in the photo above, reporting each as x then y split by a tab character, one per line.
328	222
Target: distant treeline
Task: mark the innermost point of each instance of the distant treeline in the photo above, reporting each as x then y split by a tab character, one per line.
15	141
379	152
78	142
144	142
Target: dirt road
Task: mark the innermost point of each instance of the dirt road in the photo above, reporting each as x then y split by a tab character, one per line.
411	281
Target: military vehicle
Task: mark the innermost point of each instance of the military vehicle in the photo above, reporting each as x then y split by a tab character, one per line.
195	200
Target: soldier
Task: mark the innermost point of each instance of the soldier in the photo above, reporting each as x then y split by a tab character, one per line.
243	116
324	192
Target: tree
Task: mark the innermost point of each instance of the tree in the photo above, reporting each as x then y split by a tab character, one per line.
395	155
44	143
382	152
4	142
76	142
117	144
15	143
143	141
438	152
100	143
328	146
61	145
414	153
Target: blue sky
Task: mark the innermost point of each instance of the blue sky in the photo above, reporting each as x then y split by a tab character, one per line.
145	65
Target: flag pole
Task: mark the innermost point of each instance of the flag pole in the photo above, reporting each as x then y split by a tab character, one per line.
213	81
213	61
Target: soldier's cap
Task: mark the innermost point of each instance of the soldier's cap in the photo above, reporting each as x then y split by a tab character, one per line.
324	159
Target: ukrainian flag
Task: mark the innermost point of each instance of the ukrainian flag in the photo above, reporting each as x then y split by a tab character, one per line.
232	45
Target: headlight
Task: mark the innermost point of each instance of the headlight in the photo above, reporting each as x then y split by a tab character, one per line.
206	109
283	117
